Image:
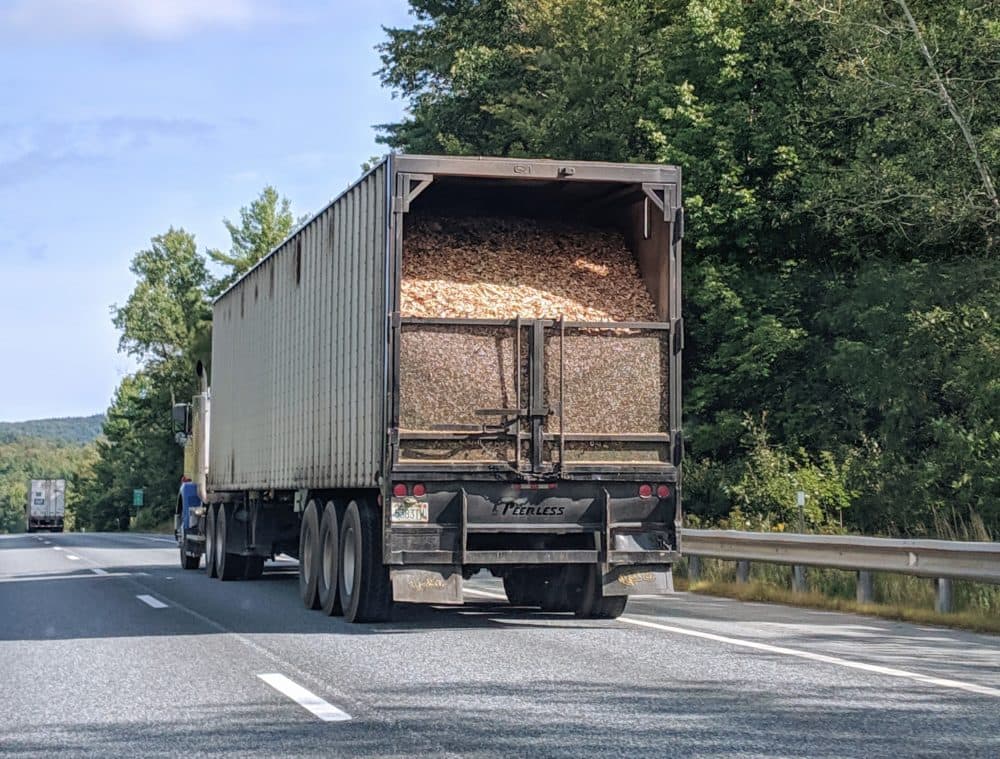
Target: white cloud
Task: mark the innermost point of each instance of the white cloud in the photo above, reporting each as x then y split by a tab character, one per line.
155	19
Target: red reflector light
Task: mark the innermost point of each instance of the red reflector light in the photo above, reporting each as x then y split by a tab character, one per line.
645	490
419	489
662	491
399	490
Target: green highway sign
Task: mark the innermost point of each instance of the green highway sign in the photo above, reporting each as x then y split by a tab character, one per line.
137	497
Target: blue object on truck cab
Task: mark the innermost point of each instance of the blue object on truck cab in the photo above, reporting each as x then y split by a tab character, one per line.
188	500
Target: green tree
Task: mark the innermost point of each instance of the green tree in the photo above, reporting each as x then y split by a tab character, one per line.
263	224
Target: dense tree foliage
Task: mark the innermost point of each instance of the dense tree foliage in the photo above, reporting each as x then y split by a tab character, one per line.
841	283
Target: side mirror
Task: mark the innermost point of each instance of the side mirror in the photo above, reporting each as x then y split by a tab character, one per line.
181	416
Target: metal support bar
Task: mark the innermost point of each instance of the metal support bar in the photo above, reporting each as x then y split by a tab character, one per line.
562	391
742	571
866	589
464	546
694	568
942	597
536	397
799	584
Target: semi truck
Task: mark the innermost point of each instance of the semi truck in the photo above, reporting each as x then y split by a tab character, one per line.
395	456
46	506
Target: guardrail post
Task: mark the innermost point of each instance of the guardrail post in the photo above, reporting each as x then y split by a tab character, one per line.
742	571
799	584
866	588
942	603
694	568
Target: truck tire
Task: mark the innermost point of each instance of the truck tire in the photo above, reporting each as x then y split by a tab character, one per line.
253	567
365	592
309	556
228	566
591	603
517	584
328	573
188	561
210	539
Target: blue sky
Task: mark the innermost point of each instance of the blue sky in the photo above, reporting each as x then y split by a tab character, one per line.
120	118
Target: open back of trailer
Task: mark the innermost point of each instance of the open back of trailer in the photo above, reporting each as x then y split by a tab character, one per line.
460	364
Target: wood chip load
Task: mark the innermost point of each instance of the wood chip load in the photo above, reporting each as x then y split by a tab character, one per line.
477	267
500	268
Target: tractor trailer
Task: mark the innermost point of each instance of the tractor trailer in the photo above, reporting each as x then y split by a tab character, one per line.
46	505
460	364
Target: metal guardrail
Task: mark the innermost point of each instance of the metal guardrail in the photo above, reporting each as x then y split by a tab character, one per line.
943	560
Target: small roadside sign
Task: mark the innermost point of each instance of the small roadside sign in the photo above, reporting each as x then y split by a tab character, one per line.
137	497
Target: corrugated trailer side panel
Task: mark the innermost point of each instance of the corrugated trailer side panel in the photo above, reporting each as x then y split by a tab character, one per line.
298	355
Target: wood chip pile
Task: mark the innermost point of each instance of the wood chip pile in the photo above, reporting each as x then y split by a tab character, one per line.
499	268
476	267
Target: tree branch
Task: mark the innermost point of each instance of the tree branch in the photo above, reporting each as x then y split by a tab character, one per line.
984	172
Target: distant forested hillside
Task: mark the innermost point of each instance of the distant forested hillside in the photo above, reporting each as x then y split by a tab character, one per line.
70	429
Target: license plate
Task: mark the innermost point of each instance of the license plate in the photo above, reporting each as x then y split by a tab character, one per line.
408	510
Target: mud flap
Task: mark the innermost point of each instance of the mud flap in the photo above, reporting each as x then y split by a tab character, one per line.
428	584
634	580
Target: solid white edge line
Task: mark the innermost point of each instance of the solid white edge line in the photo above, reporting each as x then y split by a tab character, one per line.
304	698
160	540
156	603
826	659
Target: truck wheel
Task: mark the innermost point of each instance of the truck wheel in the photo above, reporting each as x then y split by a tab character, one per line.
327	578
365	593
210	539
188	561
228	566
253	567
590	603
309	556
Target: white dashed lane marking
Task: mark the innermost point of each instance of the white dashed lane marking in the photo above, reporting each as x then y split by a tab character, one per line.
151	601
306	699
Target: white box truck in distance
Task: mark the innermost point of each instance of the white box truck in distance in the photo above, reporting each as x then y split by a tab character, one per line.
46	505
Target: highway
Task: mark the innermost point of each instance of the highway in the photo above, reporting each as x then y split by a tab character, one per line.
108	648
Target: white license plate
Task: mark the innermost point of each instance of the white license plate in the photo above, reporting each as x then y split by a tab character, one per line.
408	510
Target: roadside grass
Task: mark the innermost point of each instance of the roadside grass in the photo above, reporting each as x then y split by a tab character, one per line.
146	523
898	597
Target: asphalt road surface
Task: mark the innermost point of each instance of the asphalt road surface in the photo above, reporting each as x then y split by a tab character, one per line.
108	648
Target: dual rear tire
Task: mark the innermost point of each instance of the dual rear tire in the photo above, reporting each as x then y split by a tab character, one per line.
226	565
340	562
572	587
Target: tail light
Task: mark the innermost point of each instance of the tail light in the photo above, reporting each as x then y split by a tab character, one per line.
419	489
399	490
645	490
662	491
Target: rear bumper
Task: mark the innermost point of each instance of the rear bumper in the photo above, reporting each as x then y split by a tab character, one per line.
474	523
